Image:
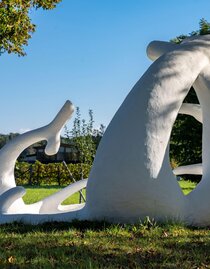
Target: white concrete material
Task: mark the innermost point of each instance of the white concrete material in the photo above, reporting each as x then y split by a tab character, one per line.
131	177
11	196
52	203
157	48
193	169
192	110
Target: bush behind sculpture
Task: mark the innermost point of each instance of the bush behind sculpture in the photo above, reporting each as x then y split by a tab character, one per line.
48	174
186	140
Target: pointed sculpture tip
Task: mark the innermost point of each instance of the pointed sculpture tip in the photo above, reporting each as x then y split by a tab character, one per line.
69	105
68	102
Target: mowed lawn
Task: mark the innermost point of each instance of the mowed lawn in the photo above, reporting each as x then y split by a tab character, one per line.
187	186
102	245
34	194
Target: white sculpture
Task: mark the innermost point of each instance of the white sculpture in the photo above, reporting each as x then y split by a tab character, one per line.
131	177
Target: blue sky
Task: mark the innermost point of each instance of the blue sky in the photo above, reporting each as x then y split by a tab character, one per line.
89	51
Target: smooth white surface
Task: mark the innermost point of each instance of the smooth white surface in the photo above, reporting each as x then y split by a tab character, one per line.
194	169
132	165
131	177
192	110
11	196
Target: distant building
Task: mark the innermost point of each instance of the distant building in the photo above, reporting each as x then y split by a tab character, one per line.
67	153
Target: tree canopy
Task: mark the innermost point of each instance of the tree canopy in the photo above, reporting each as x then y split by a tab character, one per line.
204	29
16	27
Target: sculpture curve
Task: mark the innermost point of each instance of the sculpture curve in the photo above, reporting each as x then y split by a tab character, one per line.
131	177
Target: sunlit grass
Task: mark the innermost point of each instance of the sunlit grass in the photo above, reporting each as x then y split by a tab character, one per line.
101	245
187	186
35	194
85	244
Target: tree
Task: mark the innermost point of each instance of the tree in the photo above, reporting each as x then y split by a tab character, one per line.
98	134
4	138
186	137
16	27
84	138
81	136
204	29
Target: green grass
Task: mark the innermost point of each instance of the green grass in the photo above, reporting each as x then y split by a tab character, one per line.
187	186
34	194
102	245
83	244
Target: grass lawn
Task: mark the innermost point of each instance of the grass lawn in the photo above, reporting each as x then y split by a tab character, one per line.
34	194
102	245
187	186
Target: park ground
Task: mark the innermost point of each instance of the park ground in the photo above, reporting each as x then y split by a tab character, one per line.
102	245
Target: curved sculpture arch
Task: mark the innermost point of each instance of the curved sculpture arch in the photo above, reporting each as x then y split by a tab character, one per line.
131	176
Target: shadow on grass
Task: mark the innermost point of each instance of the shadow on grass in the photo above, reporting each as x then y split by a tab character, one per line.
95	244
21	228
110	254
85	225
81	256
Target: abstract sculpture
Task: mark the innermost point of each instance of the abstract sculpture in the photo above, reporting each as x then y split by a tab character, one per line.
131	177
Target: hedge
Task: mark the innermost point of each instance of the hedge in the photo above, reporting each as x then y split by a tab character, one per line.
49	174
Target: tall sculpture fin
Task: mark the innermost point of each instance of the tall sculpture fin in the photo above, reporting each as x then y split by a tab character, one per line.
132	163
10	152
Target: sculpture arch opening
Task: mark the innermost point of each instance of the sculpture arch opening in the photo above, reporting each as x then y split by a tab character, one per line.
186	142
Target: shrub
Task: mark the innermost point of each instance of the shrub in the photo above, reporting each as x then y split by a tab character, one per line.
48	174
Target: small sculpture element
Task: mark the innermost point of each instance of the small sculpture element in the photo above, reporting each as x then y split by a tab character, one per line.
131	177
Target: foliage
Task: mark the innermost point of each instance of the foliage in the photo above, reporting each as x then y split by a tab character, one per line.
84	138
204	29
5	138
16	27
81	136
98	134
187	186
48	174
186	137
